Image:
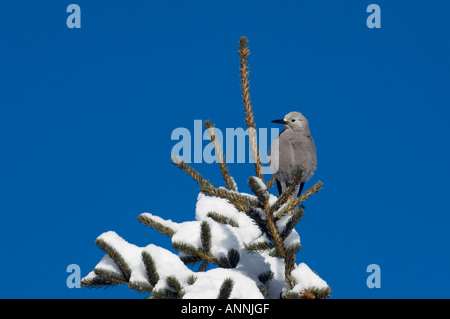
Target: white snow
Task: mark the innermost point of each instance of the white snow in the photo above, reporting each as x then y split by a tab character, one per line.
108	264
224	237
188	232
261	184
90	276
306	278
167	264
207	285
272	199
292	238
131	253
165	222
245	233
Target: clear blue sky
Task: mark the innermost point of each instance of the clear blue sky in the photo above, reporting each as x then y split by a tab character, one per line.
87	114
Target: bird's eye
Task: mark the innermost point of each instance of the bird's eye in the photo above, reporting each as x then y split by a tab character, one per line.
293	120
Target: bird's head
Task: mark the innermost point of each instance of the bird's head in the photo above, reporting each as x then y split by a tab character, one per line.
294	121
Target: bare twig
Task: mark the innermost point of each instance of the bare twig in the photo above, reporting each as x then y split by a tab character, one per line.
244	52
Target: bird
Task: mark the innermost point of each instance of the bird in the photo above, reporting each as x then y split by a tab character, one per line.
292	150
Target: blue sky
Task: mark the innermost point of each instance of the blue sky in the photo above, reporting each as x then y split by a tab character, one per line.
87	115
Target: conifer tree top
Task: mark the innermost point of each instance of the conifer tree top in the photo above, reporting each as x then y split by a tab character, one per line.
239	245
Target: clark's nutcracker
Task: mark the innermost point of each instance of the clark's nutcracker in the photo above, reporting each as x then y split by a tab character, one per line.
293	149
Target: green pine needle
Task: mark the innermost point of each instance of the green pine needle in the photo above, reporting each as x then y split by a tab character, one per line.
116	256
110	276
265	277
226	289
97	282
233	258
148	221
222	219
205	236
150	268
175	285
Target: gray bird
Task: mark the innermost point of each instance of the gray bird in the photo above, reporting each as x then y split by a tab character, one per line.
293	149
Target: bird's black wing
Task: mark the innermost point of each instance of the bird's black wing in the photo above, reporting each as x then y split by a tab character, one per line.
279	188
300	189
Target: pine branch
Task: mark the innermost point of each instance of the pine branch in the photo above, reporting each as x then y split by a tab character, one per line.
191	280
206	187
189	259
229	182
320	293
140	286
258	188
306	294
244	52
203	254
162	294
289	263
255	247
150	268
238	200
225	289
234	197
310	293
185	248
293	220
314	189
291	295
117	257
276	238
257	218
110	276
163	229
191	172
270	183
266	276
174	291
288	191
233	258
222	219
97	281
290	281
291	203
175	285
205	236
222	262
273	233
286	208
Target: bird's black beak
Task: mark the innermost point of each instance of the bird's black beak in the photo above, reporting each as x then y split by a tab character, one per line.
279	121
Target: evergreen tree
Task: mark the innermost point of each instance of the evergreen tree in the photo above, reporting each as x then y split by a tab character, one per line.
250	238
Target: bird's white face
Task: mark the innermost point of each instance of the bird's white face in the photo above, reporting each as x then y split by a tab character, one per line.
295	121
